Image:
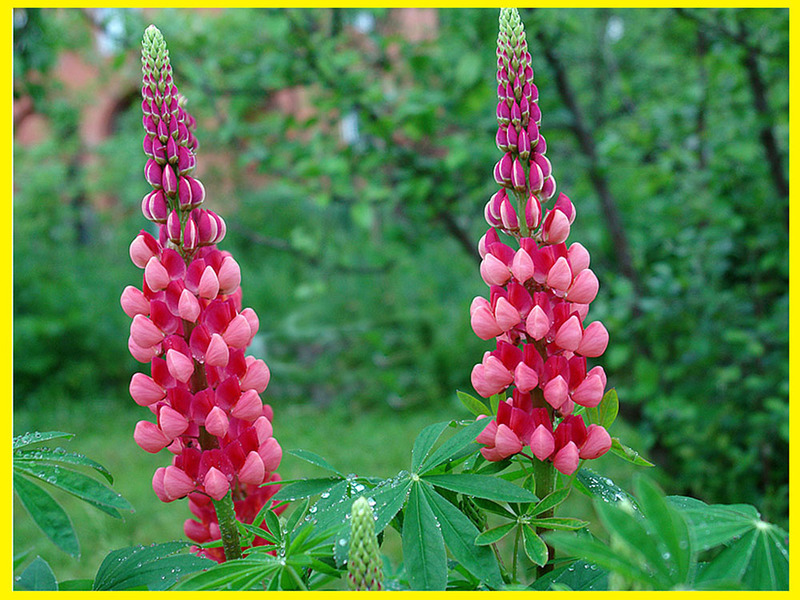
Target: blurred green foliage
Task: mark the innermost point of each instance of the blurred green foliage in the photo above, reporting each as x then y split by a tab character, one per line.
354	208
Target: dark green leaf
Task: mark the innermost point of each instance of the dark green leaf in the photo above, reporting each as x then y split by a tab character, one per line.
423	545
156	567
20	558
35	437
37	577
630	529
494	535
668	525
715	524
79	485
47	514
566	523
459	535
314	459
493	507
632	456
550	501
577	576
453	445
305	488
759	561
602	487
59	455
593	551
473	405
75	585
424	442
297	515
239	574
535	548
482	486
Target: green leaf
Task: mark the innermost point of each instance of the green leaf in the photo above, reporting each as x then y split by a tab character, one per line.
37	577
47	514
632	456
79	485
608	408
473	405
715	524
314	459
668	525
630	529
550	501
759	561
535	548
75	585
602	487
566	523
453	445
59	455
424	442
494	535
423	545
305	488
577	576
494	402
482	486
593	551
20	558
35	437
329	511
758	557
241	574
459	535
156	567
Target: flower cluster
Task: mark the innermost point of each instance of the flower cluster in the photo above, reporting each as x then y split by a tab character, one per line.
189	325
364	564
539	294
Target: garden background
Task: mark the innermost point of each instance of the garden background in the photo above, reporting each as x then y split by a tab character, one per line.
350	153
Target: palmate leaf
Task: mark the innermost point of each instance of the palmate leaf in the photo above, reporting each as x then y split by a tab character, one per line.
304	488
757	559
473	405
38	577
577	576
454	445
79	485
423	545
667	525
47	514
459	535
535	548
601	487
155	567
241	574
59	455
424	442
482	486
628	454
35	437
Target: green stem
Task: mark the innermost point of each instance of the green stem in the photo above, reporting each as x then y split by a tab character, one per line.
226	516
544	477
516	551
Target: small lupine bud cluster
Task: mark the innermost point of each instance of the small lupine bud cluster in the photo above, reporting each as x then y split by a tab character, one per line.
364	564
524	172
171	149
539	296
189	325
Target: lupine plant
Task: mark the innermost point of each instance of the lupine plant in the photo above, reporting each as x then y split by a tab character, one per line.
189	325
474	511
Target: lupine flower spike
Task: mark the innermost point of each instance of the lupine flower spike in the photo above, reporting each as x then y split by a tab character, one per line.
189	326
539	290
364	564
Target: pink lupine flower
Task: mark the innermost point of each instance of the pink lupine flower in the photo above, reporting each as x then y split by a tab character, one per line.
189	325
540	289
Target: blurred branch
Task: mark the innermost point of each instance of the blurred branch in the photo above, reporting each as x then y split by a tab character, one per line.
758	87
586	142
312	259
735	37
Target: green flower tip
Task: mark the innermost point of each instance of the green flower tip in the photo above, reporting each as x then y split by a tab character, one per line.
364	566
154	48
